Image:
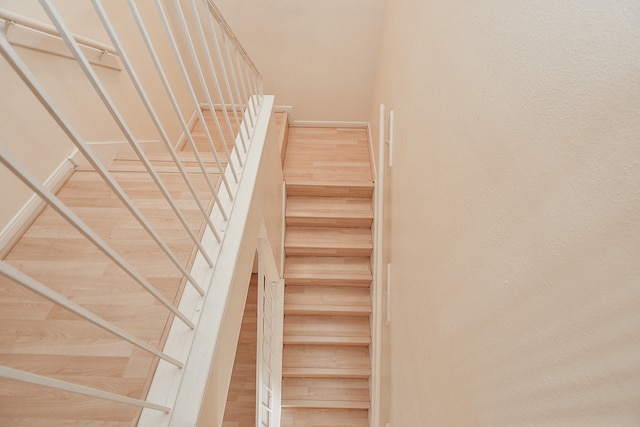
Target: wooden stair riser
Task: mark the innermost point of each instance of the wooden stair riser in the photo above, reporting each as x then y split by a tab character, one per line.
345	189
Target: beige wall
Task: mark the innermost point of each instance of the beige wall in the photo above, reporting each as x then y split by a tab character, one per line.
28	132
317	56
515	204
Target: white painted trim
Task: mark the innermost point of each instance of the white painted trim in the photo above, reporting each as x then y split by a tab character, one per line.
372	158
186	386
388	295
35	35
328	124
285	109
191	123
284	225
219	107
107	151
391	136
377	284
31	209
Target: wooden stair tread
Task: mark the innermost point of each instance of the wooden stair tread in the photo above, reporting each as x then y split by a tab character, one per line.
326	389
327	300
329	211
326	330
320	358
297	187
323	417
328	154
324	404
328	241
326	325
345	271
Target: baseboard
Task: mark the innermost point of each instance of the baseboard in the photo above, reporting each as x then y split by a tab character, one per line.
21	221
107	151
285	109
190	125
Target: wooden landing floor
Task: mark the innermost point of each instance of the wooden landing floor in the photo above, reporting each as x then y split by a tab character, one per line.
39	337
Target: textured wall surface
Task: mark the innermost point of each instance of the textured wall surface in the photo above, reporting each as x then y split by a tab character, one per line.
317	56
515	205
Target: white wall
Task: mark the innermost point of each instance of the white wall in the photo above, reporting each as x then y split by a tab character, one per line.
317	56
515	204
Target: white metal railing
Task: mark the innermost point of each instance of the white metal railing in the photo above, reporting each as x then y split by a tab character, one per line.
227	81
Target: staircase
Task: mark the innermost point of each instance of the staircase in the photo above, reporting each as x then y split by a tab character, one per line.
328	246
40	337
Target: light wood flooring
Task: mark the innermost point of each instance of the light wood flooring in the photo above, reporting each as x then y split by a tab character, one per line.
39	337
328	246
241	400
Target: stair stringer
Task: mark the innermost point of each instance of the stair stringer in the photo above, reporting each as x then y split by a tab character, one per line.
199	389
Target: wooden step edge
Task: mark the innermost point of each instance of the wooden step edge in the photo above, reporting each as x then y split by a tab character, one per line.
325	404
288	372
304	244
327	251
329	222
321	310
328	281
362	341
310	214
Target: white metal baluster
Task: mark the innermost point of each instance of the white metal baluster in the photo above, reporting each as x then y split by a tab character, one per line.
241	103
203	84
115	113
225	76
86	231
254	84
245	67
214	75
27	77
194	98
233	57
42	290
243	85
28	377
236	85
174	103
154	117
253	80
247	93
